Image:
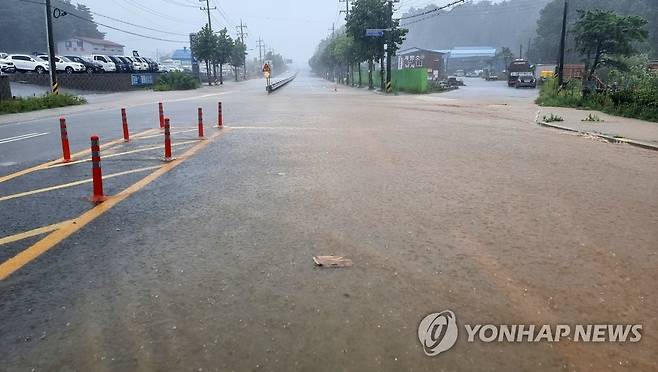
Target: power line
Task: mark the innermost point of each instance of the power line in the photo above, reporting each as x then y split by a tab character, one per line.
463	12
153	12
135	25
126	31
433	10
107	26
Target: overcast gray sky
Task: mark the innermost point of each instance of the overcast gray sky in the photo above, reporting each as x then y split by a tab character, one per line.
291	27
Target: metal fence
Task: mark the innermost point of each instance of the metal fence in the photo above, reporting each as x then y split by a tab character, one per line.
110	82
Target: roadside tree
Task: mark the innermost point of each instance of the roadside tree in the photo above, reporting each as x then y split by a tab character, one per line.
222	51
203	47
603	37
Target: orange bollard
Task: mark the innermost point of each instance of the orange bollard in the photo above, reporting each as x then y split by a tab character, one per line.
124	120
220	118
167	135
200	122
98	196
161	114
66	151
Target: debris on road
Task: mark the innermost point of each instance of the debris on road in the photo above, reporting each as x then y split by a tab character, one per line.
332	261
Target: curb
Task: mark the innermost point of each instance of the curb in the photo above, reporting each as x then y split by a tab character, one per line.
611	139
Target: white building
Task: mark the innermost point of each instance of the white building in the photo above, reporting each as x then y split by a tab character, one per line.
81	46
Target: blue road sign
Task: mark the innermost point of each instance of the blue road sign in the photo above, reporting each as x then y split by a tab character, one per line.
375	32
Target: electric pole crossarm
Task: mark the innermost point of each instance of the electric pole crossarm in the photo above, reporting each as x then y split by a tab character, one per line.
208	9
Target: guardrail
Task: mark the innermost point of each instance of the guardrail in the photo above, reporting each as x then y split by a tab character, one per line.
279	84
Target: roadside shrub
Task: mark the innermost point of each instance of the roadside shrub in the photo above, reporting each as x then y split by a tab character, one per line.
47	101
592	118
177	81
552	118
633	94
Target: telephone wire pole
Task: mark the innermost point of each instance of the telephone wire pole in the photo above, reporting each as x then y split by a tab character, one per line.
54	84
242	34
563	43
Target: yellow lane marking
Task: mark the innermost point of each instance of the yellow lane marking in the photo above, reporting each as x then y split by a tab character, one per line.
59	161
31	233
76	183
15	263
103	157
172	133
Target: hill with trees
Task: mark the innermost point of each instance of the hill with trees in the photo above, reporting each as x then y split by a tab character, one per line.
543	49
510	24
23	25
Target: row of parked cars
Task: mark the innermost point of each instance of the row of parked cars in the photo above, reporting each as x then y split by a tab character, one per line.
96	63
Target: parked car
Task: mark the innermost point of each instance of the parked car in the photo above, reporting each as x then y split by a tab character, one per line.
63	64
130	66
137	65
25	63
454	82
526	81
153	65
105	61
6	65
122	65
90	65
170	68
144	65
491	76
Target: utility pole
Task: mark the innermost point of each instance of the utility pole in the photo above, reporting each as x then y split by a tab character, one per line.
389	52
242	34
261	46
347	14
521	51
208	9
54	85
563	42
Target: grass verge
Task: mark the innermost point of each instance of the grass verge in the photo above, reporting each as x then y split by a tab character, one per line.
26	104
638	103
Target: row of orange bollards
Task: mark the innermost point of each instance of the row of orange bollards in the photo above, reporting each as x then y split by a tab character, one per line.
98	195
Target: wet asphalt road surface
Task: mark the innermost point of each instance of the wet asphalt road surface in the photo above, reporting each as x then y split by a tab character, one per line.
443	202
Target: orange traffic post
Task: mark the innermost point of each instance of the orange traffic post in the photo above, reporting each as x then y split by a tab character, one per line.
124	120
97	175
66	151
161	114
167	145
200	122
220	119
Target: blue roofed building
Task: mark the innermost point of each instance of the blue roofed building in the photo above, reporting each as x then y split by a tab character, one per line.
469	58
183	56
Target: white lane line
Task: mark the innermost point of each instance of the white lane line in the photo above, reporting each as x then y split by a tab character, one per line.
20	138
22	135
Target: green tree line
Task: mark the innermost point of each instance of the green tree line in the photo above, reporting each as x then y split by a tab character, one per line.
218	49
338	56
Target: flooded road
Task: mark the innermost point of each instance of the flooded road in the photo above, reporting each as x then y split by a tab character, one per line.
443	202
